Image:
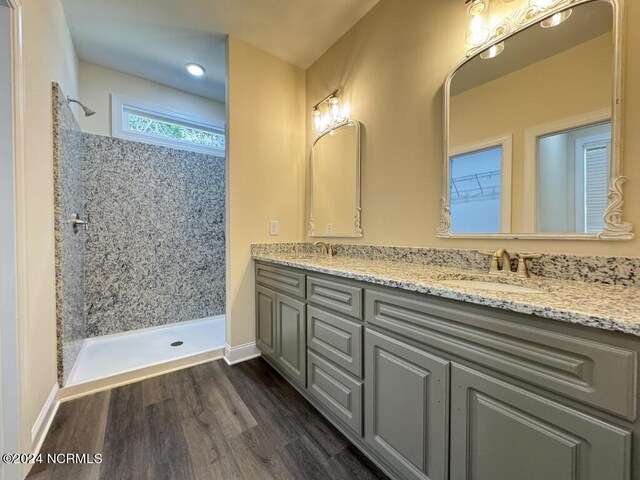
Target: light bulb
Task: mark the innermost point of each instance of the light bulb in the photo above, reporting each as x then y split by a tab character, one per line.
335	109
346	111
477	33
556	19
317	120
326	121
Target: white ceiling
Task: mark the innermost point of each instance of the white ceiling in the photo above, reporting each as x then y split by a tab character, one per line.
153	39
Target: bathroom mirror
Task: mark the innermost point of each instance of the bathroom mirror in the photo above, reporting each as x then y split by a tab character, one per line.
335	183
533	128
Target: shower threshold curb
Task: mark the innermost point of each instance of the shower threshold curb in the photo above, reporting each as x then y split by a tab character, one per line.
106	383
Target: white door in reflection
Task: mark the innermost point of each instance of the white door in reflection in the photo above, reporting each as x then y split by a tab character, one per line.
476	190
573	179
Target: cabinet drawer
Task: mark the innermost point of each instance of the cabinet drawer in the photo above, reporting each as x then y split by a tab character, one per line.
592	372
337	391
281	279
336	296
338	339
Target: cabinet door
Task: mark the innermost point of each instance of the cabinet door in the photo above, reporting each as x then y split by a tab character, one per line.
266	321
406	407
291	348
502	432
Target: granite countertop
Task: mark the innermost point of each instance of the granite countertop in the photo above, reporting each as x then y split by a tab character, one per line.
607	307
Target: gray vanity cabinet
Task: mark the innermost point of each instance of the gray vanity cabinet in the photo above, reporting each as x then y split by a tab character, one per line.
502	432
406	406
436	389
291	351
266	321
281	324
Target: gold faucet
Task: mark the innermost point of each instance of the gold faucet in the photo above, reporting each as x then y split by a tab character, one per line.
501	263
327	247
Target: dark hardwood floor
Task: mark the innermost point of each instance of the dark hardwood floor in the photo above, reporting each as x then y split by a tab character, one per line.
212	421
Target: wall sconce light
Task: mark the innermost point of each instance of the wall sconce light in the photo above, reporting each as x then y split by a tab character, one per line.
329	113
477	22
484	29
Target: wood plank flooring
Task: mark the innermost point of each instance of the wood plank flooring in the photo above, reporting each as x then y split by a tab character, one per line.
208	422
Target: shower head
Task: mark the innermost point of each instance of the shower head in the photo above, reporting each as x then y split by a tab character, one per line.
87	111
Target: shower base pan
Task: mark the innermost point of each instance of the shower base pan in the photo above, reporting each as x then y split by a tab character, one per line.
113	360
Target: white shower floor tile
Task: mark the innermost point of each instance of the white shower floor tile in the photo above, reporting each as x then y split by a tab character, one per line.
111	355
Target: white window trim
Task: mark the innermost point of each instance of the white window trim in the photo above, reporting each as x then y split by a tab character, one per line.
119	103
506	142
531	135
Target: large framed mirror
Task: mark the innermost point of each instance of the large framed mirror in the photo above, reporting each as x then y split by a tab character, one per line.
533	128
335	183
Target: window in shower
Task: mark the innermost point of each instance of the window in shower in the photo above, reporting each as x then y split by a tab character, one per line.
143	122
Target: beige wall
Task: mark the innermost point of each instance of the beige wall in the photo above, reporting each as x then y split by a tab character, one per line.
97	83
574	82
48	56
265	142
391	66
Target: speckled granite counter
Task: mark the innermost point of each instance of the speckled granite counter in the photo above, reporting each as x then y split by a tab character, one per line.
607	307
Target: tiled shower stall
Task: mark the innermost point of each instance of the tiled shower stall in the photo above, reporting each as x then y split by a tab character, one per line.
153	252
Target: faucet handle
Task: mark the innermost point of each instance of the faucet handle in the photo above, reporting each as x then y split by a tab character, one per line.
523	271
494	268
529	256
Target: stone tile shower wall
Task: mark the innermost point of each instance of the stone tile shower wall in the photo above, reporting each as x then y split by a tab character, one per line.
155	249
68	147
154	253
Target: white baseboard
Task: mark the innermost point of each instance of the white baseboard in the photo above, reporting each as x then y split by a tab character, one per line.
43	422
241	353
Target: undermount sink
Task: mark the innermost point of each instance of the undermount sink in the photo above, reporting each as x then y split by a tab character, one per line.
490	286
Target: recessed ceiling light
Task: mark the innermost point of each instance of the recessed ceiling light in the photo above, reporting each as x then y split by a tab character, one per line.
493	51
556	19
195	69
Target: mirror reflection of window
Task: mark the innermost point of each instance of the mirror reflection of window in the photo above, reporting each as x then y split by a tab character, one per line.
573	179
475	191
550	85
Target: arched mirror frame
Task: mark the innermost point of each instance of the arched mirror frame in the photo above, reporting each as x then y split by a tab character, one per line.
357	225
615	228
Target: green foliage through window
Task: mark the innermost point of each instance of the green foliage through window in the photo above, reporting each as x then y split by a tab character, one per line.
173	131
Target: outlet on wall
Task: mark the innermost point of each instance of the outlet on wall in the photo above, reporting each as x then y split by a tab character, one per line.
274	227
